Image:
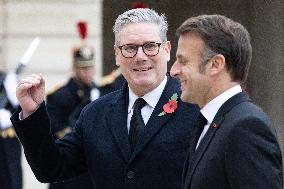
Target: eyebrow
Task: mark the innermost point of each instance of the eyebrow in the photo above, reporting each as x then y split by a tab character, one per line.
179	56
141	44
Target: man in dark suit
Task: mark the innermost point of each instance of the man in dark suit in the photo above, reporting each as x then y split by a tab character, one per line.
234	145
131	138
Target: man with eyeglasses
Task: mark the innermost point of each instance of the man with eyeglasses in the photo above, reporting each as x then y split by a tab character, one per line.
131	138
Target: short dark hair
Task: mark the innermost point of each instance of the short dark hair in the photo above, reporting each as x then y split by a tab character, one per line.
223	36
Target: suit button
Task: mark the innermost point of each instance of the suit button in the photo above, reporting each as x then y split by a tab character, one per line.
130	174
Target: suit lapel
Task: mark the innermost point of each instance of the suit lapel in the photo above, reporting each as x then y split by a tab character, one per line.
191	151
195	156
156	122
117	122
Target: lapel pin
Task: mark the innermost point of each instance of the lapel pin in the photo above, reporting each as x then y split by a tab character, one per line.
215	125
171	106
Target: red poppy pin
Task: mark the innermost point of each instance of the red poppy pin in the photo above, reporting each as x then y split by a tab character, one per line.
171	106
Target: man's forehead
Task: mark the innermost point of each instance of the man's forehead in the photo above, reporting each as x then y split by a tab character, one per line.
182	48
132	26
140	31
190	42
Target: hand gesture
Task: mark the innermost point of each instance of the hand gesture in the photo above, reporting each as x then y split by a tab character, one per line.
30	93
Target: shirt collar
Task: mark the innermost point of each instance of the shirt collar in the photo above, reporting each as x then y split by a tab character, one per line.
210	109
151	98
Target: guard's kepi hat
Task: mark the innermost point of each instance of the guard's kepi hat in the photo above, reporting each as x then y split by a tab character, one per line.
83	55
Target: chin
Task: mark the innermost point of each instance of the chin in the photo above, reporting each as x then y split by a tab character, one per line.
144	81
147	86
185	97
143	87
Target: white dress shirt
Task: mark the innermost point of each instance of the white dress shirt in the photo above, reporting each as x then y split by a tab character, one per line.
151	98
210	109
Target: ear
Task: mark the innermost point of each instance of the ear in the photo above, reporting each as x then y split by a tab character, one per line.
216	64
116	53
168	47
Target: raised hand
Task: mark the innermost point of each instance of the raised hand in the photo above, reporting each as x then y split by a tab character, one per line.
30	93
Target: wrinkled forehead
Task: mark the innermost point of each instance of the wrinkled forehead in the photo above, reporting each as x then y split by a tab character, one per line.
138	33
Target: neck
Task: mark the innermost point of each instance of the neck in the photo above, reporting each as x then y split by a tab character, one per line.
217	89
81	83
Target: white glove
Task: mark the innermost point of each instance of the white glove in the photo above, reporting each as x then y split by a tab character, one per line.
5	121
95	94
10	84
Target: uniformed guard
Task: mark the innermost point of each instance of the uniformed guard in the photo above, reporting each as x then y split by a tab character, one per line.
10	148
65	104
112	82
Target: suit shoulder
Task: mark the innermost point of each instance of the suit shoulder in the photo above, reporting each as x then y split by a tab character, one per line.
249	110
247	116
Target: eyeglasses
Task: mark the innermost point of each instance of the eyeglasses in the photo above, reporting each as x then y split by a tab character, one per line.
130	50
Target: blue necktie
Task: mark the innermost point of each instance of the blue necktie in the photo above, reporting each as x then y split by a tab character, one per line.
136	123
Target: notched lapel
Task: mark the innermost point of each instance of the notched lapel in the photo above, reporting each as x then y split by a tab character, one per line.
195	157
117	121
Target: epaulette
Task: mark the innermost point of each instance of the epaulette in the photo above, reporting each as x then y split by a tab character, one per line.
108	79
63	132
54	88
8	133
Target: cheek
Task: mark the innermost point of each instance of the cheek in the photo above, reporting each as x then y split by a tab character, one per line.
124	65
118	61
160	64
126	70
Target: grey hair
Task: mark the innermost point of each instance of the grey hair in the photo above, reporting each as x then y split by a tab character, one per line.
207	54
137	16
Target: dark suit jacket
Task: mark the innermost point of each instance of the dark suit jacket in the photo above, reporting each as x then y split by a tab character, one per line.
239	151
100	144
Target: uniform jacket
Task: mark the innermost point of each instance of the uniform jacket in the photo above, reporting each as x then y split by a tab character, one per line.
239	151
116	84
10	149
10	163
64	106
100	144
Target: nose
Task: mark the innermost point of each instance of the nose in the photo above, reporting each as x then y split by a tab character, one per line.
175	69
140	55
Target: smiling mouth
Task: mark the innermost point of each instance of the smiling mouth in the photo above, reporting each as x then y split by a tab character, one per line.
182	83
142	69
